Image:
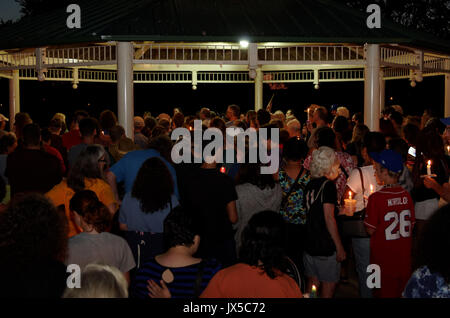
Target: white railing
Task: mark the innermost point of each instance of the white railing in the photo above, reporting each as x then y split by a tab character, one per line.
223	77
17	61
190	54
97	76
162	77
286	77
398	57
81	56
310	53
341	75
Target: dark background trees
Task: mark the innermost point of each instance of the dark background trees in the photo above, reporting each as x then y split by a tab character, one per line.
432	16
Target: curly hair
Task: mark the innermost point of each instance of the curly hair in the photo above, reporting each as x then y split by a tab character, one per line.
87	205
434	243
86	166
32	231
153	186
323	160
263	242
179	228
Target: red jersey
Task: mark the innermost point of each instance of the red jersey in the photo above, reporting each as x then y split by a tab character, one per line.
71	138
390	211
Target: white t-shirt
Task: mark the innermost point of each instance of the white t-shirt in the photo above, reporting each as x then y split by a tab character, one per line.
354	183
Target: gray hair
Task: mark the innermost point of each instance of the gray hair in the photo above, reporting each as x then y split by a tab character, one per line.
323	160
99	281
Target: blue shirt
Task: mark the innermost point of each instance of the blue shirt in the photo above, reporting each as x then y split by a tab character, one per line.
424	284
132	215
127	168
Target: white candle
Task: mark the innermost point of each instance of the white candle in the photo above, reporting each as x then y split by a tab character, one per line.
429	168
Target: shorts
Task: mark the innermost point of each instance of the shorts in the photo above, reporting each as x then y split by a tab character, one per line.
325	268
424	209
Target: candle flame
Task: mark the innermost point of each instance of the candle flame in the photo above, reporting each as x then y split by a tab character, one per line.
371	188
429	163
314	288
350	195
222	169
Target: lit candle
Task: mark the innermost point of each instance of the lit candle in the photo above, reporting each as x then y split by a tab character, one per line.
448	150
222	169
350	205
313	292
371	189
429	168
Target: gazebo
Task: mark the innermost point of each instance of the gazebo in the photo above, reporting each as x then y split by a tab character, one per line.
132	42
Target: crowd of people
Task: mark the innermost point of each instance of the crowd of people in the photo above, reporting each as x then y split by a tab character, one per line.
139	225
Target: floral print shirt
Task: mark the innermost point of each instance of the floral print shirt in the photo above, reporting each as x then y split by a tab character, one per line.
294	212
424	284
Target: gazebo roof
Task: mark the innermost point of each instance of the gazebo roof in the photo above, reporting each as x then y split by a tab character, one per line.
308	21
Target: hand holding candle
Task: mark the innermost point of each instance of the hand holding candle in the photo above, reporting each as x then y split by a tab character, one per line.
350	204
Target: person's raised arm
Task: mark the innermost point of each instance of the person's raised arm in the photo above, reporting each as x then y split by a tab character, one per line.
443	191
330	221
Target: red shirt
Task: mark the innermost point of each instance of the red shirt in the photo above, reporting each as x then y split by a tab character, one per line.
53	151
71	138
390	211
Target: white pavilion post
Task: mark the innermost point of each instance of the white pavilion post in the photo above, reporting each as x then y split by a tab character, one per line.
382	90
259	89
125	90
14	97
372	108
447	95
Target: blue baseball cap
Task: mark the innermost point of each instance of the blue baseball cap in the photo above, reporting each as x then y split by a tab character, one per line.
389	159
446	121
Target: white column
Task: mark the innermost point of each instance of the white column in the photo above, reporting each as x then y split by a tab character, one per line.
259	89
125	90
372	108
447	95
382	90
14	97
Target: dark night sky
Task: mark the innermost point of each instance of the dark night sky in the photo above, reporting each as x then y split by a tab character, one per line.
42	100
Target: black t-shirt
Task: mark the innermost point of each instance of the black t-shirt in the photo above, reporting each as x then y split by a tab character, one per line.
318	239
206	193
30	170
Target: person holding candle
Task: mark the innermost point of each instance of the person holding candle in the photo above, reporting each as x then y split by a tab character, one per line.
372	142
323	247
389	221
430	159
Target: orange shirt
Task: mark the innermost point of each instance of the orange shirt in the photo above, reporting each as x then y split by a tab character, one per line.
61	195
245	281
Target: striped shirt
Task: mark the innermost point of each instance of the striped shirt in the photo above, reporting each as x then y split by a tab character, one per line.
183	285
